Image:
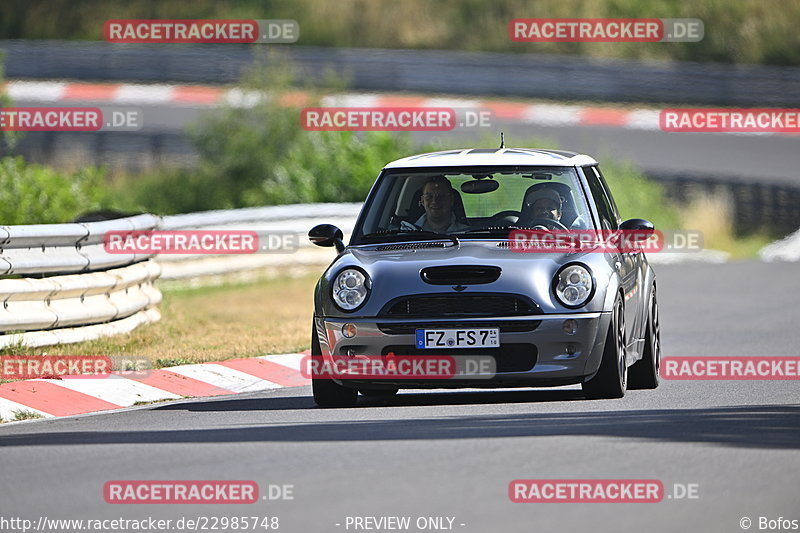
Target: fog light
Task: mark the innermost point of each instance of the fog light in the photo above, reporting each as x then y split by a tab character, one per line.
349	330
570	349
350	352
570	326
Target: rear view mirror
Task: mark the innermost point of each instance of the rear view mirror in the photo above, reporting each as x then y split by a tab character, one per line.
479	186
538	176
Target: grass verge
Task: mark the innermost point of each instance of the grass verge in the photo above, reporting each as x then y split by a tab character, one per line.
23	414
213	324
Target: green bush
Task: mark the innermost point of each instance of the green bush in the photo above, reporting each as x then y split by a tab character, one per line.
171	191
34	194
334	166
241	147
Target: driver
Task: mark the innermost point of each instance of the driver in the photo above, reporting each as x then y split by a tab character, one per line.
546	203
437	199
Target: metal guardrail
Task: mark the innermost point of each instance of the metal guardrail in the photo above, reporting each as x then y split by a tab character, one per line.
275	214
451	72
65	248
59	285
786	249
296	218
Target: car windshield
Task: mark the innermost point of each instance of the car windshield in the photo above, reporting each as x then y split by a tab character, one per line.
428	203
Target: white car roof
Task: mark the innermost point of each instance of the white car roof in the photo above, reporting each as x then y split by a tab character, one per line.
470	157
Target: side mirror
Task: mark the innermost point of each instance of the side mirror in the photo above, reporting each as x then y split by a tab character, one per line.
327	235
642	229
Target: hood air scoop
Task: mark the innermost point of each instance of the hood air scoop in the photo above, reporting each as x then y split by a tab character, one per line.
460	275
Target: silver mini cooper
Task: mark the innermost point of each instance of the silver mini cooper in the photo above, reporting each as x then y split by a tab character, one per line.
450	258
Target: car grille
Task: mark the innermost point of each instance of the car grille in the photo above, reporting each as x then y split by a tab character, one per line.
505	326
508	358
474	304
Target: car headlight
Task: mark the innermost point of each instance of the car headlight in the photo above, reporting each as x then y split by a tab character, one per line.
350	289
574	285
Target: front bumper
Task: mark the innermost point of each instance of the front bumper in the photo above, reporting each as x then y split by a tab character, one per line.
534	350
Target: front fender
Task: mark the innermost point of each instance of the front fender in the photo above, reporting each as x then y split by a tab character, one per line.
612	290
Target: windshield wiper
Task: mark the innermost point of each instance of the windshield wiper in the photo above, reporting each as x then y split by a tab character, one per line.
411	233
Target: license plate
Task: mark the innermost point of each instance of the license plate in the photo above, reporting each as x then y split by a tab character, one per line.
458	338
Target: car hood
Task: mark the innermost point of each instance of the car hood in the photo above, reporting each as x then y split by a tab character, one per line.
395	271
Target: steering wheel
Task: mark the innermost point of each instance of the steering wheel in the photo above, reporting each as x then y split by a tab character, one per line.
414	227
548	223
497	217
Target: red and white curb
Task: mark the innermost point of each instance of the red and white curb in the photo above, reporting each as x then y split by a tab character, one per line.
74	395
65	92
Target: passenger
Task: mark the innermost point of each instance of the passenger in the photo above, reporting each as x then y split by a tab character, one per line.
437	199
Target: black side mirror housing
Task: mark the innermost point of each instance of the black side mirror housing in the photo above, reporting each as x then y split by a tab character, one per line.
643	228
327	235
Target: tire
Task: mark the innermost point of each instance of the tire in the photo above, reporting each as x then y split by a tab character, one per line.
328	393
378	393
611	379
644	373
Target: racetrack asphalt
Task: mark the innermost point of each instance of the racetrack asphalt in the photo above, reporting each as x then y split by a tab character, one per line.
725	156
453	453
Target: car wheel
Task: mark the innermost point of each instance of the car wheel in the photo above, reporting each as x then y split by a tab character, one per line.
644	373
328	393
378	393
611	380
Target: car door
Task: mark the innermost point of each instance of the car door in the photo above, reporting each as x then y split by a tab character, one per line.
627	262
636	302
